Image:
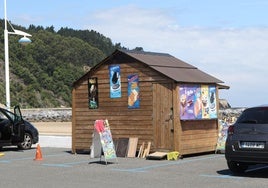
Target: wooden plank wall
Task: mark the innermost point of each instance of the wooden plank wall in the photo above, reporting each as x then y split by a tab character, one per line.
198	136
123	121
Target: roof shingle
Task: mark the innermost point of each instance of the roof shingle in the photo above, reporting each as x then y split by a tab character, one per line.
172	67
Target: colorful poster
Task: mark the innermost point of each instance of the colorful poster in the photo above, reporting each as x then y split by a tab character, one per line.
223	131
190	104
222	136
133	91
197	102
92	93
115	81
212	102
102	127
205	101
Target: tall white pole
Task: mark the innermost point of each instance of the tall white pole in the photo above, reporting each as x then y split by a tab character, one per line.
6	59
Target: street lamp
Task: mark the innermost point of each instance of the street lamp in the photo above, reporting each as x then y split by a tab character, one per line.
23	40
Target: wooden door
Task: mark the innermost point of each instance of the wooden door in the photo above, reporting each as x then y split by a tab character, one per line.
163	116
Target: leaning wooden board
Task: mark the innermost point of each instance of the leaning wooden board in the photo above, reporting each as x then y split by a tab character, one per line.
132	147
121	147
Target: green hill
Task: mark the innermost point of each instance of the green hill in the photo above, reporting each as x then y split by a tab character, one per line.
42	73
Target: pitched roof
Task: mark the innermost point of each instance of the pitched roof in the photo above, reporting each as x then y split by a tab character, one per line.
165	64
172	67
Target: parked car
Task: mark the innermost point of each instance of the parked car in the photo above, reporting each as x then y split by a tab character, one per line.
14	131
247	140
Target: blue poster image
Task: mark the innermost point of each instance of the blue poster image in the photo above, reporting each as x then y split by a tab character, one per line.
115	81
133	91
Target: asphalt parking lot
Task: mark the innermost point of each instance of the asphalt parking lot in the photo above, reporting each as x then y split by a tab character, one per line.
60	168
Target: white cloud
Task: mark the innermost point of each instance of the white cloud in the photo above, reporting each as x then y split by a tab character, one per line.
236	56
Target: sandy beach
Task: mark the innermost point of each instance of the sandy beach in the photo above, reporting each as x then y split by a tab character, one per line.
54	128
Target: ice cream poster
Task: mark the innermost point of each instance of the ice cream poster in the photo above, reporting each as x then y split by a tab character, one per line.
197	102
133	91
92	93
223	128
115	81
212	102
205	102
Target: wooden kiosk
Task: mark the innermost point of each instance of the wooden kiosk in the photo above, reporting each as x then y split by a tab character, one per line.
152	96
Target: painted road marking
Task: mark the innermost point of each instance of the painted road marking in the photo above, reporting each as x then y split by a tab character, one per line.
65	164
258	168
140	169
222	176
26	158
69	164
146	168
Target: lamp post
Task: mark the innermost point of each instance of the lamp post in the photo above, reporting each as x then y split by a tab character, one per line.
23	40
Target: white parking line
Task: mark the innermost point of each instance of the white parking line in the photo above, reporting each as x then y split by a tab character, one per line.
258	168
146	168
222	176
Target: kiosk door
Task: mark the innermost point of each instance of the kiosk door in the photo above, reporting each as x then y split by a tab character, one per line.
163	116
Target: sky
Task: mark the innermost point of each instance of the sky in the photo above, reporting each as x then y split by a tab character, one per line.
226	39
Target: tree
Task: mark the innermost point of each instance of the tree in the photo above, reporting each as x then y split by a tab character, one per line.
42	72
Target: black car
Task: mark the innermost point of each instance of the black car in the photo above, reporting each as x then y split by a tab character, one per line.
14	131
247	140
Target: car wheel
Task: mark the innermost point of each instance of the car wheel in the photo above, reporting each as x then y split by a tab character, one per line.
237	167
27	143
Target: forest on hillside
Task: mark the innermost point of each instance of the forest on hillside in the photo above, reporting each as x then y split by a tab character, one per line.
42	73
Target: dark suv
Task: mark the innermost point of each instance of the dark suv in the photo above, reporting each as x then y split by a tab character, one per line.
247	140
16	131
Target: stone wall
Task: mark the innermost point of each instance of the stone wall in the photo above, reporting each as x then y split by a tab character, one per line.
228	115
47	114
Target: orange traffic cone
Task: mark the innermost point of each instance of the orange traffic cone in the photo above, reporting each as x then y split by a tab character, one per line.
38	155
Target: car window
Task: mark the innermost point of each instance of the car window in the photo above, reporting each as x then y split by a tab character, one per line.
5	114
2	116
11	115
254	115
17	114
